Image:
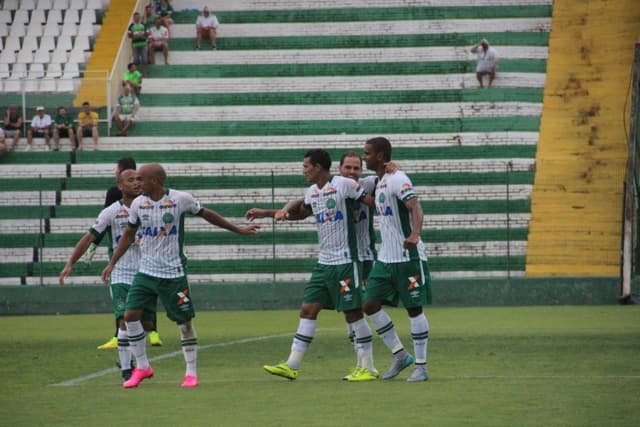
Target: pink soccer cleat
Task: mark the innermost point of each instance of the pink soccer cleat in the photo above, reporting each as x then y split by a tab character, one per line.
189	381
137	376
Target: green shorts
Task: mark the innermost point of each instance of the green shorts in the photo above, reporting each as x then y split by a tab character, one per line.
119	294
367	266
174	294
335	286
408	282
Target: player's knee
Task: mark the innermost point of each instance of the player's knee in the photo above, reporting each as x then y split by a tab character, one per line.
371	307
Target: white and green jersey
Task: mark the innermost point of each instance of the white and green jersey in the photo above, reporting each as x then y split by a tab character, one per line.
161	224
333	207
364	223
112	221
127	103
392	191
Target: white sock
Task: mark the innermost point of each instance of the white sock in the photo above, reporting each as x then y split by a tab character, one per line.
364	343
384	327
420	335
301	341
352	340
189	347
124	351
137	343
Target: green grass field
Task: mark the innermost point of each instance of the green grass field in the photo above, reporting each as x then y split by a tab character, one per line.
529	366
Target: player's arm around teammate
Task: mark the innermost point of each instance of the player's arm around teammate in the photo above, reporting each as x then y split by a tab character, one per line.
80	248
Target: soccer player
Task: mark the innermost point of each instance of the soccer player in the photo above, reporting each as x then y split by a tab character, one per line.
112	221
159	215
400	272
336	279
113	195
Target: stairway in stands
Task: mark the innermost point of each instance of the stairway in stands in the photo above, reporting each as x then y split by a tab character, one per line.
231	124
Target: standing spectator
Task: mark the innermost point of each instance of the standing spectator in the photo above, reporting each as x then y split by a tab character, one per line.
137	32
13	125
165	10
63	127
206	27
487	61
133	78
40	128
87	125
158	41
126	109
149	17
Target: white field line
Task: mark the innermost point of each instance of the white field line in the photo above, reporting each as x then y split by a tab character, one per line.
78	380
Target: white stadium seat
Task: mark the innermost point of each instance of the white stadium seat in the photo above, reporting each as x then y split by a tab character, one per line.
88	15
71	70
27	4
47	43
71	15
95	4
77	4
12	44
4	71
48	85
38	16
64	42
7	57
11	4
42	56
20	17
61	4
34	29
85	29
19	70
81	43
25	56
17	30
45	4
59	56
55	15
54	71
78	56
69	29
30	42
5	16
51	29
36	71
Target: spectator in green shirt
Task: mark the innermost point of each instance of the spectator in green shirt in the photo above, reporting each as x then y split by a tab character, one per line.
63	127
133	78
137	32
126	110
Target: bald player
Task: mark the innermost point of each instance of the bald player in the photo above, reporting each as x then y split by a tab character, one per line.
158	214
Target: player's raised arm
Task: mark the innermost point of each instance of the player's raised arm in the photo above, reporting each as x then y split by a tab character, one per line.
78	250
417	217
124	244
255	213
293	211
213	217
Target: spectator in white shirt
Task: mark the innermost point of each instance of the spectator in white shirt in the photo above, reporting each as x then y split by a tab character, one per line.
158	41
487	61
40	128
206	28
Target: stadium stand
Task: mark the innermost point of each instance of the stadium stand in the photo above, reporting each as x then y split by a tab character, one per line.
231	124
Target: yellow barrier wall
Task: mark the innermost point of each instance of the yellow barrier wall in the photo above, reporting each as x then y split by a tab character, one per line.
576	206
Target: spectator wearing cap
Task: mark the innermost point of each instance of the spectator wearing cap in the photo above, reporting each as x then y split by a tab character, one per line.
487	61
40	128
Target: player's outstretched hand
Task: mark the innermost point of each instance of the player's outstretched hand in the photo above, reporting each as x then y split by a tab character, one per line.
281	215
254	213
66	272
249	229
106	273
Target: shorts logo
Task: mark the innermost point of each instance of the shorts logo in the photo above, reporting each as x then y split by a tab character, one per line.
344	286
413	282
183	298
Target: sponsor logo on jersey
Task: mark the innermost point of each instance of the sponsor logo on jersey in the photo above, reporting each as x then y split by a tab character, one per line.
122	213
167	204
360	216
382	184
330	190
384	210
146	205
315	194
159	231
329	217
406	188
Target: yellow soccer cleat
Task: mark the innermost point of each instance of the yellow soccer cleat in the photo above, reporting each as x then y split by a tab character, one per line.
112	343
282	370
363	374
154	339
353	372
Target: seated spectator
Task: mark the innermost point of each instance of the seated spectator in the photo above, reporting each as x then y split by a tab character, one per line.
40	128
137	32
13	125
87	125
63	127
206	28
133	78
165	10
158	41
126	110
3	144
487	61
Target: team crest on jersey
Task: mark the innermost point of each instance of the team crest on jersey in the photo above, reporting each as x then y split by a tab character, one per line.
167	218
146	205
167	204
381	198
122	213
331	203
